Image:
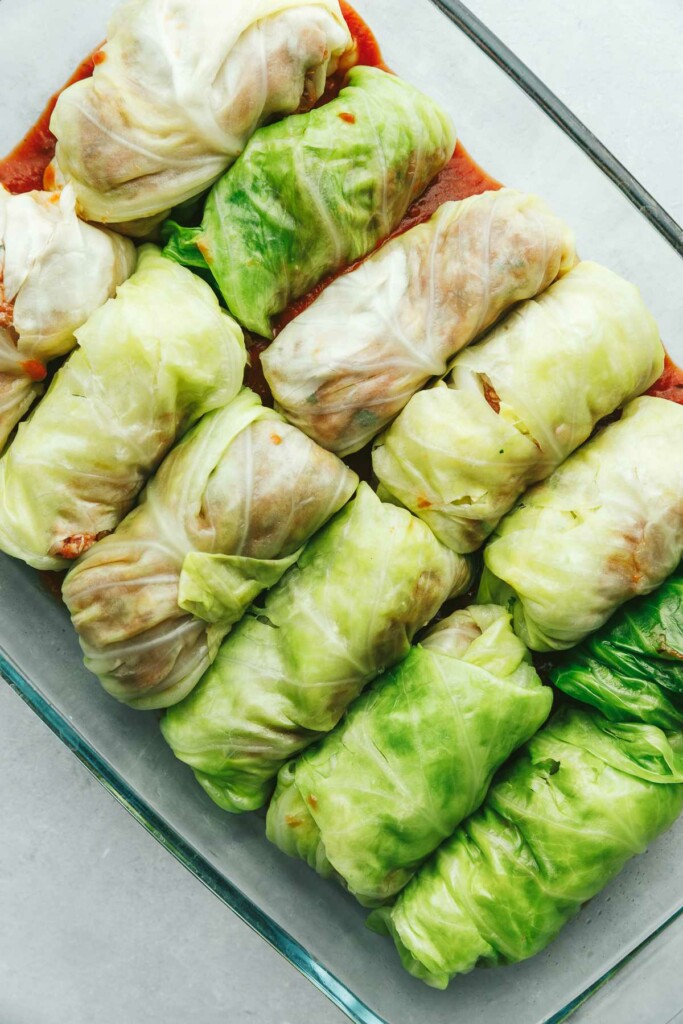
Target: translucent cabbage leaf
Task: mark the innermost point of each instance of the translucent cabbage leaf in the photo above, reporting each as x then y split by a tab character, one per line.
413	756
225	516
516	405
632	669
346	365
559	823
55	271
151	361
313	193
179	88
286	674
607	526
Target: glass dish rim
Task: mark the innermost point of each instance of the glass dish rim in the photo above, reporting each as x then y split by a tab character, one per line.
245	908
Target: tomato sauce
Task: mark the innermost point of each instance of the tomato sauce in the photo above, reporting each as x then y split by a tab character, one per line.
23	169
253	376
367	48
670	384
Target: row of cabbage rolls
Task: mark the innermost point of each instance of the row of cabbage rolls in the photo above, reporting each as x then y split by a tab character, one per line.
225	563
174	98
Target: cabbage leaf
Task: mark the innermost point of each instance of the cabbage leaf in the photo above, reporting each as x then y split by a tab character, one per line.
632	669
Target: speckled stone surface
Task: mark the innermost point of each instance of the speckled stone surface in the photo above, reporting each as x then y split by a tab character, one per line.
97	922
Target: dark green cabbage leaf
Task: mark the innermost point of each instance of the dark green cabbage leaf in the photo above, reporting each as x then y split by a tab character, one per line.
562	820
633	667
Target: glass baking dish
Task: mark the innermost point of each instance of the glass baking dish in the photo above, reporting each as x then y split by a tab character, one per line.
522	135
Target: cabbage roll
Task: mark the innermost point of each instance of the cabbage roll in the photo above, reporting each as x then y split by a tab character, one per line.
516	405
177	91
413	757
349	363
54	272
605	527
313	193
225	516
286	674
632	669
584	797
151	361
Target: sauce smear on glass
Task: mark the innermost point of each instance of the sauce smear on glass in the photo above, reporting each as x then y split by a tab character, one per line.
23	169
670	384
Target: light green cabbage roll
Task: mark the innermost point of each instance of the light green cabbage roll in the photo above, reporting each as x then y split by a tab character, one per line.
584	797
515	406
178	89
55	271
413	756
150	363
632	669
225	516
605	527
349	363
313	193
286	674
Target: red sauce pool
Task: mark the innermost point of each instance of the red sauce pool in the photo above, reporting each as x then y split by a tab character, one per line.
366	45
670	384
22	170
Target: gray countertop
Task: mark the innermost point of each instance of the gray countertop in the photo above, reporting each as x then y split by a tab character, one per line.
97	922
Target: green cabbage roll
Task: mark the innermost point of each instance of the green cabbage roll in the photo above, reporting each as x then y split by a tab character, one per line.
632	669
225	516
315	192
607	526
584	797
349	363
151	361
178	89
413	756
286	674
515	406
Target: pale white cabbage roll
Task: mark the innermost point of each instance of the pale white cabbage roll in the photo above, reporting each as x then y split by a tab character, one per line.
179	88
517	404
55	271
350	362
607	526
225	516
